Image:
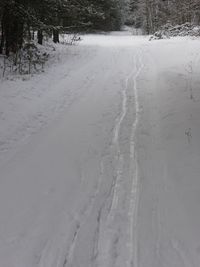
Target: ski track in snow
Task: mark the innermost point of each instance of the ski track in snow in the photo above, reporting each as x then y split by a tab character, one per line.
131	244
134	173
69	257
108	242
134	195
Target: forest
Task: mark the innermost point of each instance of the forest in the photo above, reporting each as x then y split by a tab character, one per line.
24	20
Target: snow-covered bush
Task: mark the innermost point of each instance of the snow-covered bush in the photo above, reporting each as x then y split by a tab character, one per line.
70	38
162	34
32	57
186	29
167	31
29	59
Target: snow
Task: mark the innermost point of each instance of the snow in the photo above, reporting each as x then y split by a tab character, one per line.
29	103
169	155
99	156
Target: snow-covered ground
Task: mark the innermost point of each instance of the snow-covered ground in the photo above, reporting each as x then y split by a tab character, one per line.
169	155
100	157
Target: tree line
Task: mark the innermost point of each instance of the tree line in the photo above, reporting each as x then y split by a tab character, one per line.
151	15
20	20
25	20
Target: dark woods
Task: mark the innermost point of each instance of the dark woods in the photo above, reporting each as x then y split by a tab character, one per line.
24	20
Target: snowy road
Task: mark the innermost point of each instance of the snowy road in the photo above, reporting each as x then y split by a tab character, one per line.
111	179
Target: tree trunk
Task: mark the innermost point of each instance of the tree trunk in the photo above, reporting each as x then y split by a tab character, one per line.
56	36
13	30
33	35
2	38
40	37
29	32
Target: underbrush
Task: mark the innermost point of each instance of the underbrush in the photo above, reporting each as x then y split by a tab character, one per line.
32	57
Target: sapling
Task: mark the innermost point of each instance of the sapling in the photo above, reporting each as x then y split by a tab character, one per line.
190	72
188	133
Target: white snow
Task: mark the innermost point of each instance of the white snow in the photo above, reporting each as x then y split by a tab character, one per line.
99	157
169	145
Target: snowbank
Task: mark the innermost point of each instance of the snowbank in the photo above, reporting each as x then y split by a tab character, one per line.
186	29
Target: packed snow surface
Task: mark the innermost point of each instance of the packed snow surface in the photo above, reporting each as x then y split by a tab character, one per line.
100	157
